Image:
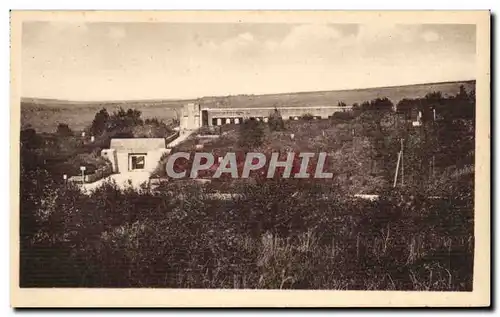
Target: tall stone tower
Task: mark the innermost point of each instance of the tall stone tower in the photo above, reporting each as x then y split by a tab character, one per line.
190	117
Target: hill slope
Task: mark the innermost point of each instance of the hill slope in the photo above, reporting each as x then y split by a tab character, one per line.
44	114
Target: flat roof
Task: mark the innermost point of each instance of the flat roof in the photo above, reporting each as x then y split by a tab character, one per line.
279	108
138	144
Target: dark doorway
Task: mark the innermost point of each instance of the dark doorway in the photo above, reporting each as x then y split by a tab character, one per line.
204	117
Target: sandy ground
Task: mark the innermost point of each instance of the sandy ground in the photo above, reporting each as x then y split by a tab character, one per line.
183	136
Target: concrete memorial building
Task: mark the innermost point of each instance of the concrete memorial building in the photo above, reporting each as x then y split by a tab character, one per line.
194	116
137	154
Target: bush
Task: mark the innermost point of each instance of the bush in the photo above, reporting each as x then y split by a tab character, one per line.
275	121
30	139
251	134
276	234
151	128
343	116
122	120
64	130
100	122
307	117
91	161
210	130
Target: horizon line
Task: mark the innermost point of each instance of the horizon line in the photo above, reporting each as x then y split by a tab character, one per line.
242	94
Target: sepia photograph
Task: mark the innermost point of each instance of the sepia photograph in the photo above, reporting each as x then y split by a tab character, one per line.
176	154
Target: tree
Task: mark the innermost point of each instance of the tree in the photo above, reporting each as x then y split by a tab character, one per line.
100	122
307	117
381	105
464	104
462	92
64	130
373	113
134	116
375	110
251	134
356	109
30	139
434	97
124	121
343	116
152	128
275	121
405	106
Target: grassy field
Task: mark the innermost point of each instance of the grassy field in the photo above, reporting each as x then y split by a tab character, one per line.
44	114
78	116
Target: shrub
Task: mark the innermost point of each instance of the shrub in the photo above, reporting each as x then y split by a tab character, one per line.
100	122
151	129
251	134
275	121
30	139
307	117
276	234
124	120
343	116
64	130
91	161
210	130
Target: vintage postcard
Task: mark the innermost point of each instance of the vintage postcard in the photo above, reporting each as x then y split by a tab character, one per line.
250	159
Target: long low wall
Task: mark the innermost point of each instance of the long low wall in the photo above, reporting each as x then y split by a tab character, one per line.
220	116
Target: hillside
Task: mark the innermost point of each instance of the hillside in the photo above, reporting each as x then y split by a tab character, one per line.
44	114
395	93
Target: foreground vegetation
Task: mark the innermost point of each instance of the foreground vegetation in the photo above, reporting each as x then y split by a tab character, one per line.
278	233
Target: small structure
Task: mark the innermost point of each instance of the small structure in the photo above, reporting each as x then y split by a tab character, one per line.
418	122
82	169
190	117
137	154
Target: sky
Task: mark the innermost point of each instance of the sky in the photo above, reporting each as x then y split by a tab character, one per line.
124	61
